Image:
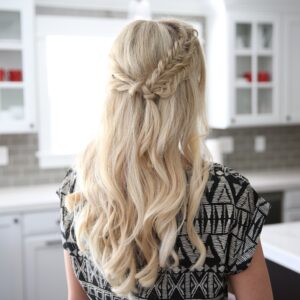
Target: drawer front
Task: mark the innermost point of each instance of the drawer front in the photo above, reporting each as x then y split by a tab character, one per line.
292	199
291	215
41	222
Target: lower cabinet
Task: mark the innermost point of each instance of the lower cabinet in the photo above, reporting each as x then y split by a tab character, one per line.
44	268
11	286
291	206
285	206
285	282
31	257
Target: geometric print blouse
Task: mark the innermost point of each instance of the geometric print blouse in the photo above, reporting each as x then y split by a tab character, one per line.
229	220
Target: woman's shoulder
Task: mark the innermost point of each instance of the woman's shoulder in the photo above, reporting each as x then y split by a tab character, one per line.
228	185
222	173
68	183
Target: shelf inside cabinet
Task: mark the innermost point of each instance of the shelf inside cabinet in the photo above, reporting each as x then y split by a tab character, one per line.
265	52
11	85
243	52
265	85
240	83
10	44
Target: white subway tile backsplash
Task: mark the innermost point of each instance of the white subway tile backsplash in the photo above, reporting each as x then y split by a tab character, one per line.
283	151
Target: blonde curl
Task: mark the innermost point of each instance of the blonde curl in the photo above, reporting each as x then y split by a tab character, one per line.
142	178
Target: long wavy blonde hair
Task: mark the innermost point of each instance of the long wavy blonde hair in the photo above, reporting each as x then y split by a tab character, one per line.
149	163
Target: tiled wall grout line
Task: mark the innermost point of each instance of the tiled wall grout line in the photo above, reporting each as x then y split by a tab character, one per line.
23	168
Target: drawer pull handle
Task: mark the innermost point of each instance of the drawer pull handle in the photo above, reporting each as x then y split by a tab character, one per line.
4	224
53	243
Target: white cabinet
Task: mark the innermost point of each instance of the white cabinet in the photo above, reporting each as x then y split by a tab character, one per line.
11	258
254	80
17	97
291	69
291	206
44	265
243	61
31	257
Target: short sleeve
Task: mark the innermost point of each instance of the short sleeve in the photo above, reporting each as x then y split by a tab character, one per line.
250	213
66	187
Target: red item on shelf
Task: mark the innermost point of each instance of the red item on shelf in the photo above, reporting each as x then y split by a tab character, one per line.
248	76
2	75
263	76
15	75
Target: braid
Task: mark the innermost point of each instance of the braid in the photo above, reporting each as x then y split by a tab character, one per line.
170	71
170	60
174	68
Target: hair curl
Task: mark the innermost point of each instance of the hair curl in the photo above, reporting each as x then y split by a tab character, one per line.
149	165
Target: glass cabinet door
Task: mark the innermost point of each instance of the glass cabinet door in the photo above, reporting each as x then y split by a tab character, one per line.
243	69
254	68
265	68
12	106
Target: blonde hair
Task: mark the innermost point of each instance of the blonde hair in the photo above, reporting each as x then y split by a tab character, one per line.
133	175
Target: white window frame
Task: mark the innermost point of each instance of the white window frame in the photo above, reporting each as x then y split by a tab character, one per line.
61	25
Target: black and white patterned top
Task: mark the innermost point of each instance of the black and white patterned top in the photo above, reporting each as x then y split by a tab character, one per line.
229	220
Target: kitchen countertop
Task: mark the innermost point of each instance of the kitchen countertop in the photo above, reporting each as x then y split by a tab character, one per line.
27	198
281	244
24	198
273	180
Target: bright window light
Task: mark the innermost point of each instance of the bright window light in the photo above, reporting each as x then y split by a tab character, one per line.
77	74
72	72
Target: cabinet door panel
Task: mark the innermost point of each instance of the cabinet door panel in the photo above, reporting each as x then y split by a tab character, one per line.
45	274
255	80
291	206
17	99
41	222
10	258
292	67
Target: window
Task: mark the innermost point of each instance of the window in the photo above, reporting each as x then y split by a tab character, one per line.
72	58
72	61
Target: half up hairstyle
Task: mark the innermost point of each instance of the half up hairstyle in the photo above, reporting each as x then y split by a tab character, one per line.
142	178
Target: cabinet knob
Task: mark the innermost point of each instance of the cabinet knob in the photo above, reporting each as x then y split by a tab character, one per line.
232	120
16	220
288	118
31	125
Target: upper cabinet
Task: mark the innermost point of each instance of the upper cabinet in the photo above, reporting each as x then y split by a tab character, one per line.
11	286
291	67
244	86
17	100
254	82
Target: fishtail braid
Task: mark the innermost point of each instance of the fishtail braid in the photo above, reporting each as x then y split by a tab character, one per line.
174	68
170	71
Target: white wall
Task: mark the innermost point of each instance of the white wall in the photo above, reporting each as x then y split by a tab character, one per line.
186	7
262	5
